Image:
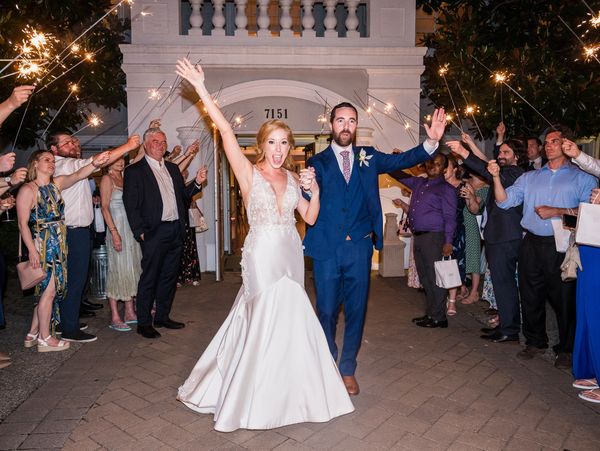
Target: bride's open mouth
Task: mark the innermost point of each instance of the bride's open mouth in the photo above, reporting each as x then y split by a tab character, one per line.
277	159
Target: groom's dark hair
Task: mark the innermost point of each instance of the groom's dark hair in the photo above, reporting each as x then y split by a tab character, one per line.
341	105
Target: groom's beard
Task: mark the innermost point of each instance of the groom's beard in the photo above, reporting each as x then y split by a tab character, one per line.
343	138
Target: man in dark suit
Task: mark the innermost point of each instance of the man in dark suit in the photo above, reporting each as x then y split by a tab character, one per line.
155	198
535	157
502	233
349	223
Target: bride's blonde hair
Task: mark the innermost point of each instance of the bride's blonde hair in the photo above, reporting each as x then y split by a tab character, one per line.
263	133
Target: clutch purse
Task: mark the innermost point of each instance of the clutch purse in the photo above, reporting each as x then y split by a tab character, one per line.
196	219
29	276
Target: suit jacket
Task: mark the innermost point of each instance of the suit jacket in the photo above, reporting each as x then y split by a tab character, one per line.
143	202
501	225
527	168
328	231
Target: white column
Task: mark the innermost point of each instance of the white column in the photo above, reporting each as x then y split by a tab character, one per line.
330	20
285	20
308	20
263	18
241	21
218	19
196	17
352	19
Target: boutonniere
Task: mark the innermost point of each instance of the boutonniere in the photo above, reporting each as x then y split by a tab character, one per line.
363	158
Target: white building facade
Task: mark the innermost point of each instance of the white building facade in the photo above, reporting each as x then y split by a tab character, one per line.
267	59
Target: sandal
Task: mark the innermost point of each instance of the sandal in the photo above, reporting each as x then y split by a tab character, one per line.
44	346
451	307
120	327
31	340
591	396
131	321
586	384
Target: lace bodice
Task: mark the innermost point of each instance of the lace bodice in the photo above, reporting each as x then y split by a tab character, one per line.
262	203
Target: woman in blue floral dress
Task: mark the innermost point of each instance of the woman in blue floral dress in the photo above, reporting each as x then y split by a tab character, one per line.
40	212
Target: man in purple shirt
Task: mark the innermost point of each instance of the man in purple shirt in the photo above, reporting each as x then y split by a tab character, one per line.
432	219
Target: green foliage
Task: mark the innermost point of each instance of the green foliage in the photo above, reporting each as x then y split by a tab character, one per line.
101	81
527	39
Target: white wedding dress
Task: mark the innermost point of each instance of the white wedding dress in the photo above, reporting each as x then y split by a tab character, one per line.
269	364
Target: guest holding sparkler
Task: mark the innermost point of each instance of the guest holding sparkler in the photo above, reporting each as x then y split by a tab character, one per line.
79	215
586	352
19	96
124	253
555	189
41	207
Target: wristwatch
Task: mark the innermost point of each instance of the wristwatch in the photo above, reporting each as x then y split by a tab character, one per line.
7	180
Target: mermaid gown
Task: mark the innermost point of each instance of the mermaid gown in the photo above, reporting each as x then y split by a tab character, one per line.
269	364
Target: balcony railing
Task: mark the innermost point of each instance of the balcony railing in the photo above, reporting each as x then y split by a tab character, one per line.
275	18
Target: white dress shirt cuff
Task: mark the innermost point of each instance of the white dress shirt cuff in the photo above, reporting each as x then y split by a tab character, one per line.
429	148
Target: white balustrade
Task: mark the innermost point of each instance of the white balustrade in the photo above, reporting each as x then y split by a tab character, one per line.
263	18
196	17
352	19
241	20
285	20
330	20
308	20
218	19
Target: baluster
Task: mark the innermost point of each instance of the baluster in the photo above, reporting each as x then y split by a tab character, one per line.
241	21
263	18
196	17
330	20
352	19
308	20
218	19
285	21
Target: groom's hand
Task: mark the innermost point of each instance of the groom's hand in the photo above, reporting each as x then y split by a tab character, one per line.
436	130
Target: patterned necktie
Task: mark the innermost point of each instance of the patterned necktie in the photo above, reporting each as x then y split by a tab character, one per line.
346	164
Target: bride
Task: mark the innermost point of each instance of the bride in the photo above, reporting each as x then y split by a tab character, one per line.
269	364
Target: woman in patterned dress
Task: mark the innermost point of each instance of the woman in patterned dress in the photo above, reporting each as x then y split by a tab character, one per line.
124	253
40	212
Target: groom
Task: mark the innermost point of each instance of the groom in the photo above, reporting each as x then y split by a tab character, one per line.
349	223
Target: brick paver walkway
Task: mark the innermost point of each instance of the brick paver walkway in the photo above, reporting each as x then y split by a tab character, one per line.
422	389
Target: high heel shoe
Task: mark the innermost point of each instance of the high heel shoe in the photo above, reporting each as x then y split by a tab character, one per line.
31	340
44	346
451	307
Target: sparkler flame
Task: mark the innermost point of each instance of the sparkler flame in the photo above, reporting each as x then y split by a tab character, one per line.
94	120
154	94
443	70
590	51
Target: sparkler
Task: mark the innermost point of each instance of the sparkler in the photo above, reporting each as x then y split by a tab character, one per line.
443	70
514	91
388	107
153	94
93	121
37	46
500	78
74	88
579	39
88	57
470	110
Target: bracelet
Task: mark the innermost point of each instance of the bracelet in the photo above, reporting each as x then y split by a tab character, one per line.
113	230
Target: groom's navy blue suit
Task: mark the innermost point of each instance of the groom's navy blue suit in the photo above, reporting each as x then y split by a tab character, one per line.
341	240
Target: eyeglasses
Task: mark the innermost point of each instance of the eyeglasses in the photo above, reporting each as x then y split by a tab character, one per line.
69	141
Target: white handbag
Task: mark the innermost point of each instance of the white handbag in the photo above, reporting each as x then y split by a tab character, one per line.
588	218
197	220
446	273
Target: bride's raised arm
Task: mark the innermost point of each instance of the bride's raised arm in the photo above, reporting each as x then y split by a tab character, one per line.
242	168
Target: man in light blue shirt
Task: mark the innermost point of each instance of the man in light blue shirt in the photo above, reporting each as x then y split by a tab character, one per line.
548	193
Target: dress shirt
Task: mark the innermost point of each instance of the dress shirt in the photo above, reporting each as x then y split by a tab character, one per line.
165	185
565	187
536	164
432	206
340	160
79	211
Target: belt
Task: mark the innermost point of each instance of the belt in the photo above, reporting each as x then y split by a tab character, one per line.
420	233
169	222
540	237
77	227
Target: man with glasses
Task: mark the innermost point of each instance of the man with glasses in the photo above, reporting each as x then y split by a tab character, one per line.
79	214
546	194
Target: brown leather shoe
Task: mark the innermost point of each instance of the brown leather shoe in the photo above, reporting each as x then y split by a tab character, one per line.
351	385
